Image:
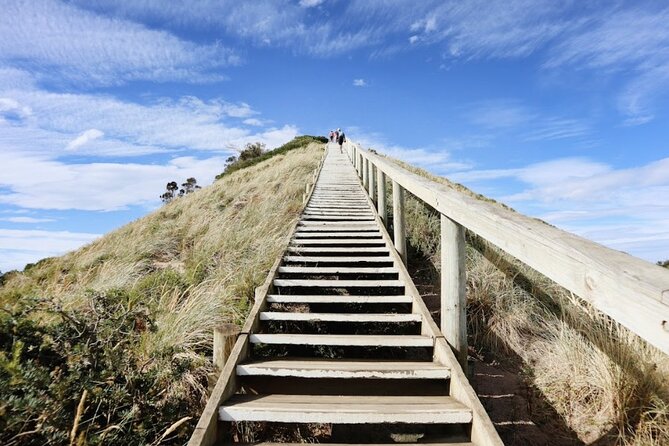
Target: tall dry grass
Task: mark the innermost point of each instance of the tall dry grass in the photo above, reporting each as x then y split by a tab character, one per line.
605	382
195	263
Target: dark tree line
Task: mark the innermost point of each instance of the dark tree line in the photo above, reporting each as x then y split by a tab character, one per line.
173	191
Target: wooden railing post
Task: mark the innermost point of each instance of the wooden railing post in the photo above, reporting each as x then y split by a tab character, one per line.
370	175
398	221
453	288
381	198
365	173
225	336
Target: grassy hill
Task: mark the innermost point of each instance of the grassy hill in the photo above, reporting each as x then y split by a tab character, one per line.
113	338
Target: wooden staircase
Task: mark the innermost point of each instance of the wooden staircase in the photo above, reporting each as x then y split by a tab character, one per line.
339	336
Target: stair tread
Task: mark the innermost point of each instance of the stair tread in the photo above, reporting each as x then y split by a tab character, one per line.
338	241
337	270
345	409
294	298
343	340
310	368
340	317
337	283
338	259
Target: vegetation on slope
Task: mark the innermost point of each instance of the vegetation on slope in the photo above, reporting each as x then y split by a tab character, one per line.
114	338
254	153
605	382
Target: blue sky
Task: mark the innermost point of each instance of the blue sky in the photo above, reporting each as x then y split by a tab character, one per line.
559	109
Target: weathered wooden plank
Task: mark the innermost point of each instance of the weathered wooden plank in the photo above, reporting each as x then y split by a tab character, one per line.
322	299
340	409
454	287
336	270
338	241
338	283
381	198
324	249
398	221
364	235
630	290
372	369
340	317
343	340
338	259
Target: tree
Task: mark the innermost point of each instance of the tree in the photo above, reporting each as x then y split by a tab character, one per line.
186	188
190	185
169	195
251	150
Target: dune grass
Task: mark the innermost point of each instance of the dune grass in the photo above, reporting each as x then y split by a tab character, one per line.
157	286
604	381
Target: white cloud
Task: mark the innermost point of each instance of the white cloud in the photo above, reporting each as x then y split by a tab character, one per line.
38	182
632	41
510	115
310	3
19	247
359	83
437	160
59	40
254	122
11	109
622	208
84	138
79	121
27	220
11	78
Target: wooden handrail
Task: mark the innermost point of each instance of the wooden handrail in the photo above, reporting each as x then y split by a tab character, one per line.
633	292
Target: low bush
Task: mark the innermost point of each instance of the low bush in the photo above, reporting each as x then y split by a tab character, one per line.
80	379
259	155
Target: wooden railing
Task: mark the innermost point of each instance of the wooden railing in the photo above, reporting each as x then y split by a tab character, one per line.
631	291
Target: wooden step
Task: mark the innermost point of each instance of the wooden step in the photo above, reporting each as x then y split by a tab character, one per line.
339	241
343	340
362	249
336	227
338	217
336	270
339	259
376	235
340	317
337	223
372	369
456	441
336	299
341	409
325	283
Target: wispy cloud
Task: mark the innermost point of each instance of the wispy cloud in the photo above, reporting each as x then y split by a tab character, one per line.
617	207
437	160
359	83
102	125
526	123
633	40
310	3
27	220
19	247
37	182
61	41
84	138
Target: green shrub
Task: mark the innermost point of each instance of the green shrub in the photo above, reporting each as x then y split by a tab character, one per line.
298	141
87	359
